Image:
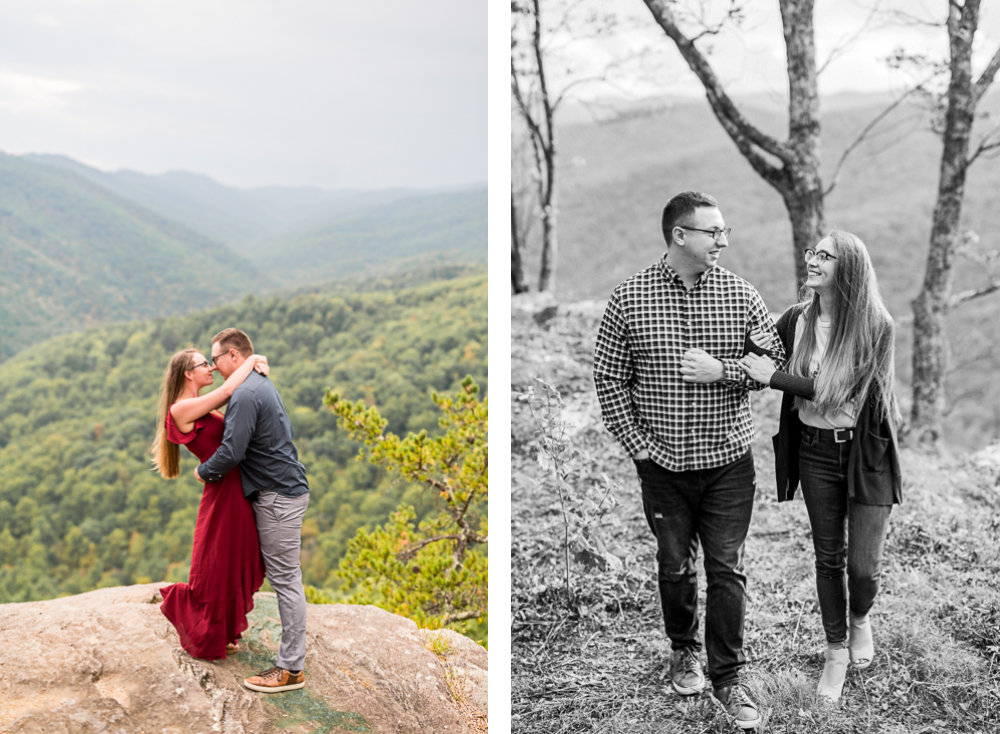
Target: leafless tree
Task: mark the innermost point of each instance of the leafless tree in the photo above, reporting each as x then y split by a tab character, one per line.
791	167
937	297
540	32
529	86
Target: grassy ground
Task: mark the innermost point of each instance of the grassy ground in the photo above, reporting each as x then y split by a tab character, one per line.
595	658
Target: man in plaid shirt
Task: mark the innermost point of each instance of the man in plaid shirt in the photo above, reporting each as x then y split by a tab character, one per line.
673	394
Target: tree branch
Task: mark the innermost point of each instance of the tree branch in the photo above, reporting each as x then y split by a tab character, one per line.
864	134
984	146
412	549
959	298
842	46
523	107
986	78
748	138
460	617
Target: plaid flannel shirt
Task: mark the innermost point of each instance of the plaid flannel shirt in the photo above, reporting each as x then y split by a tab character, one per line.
651	320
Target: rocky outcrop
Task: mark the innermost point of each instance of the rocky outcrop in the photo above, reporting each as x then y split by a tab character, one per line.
109	662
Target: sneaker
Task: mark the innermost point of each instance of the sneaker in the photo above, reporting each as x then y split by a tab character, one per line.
685	672
738	705
276	680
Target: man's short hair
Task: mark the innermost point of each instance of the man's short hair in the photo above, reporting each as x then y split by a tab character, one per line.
680	207
234	339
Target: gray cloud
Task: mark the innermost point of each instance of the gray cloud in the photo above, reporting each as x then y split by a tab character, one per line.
373	94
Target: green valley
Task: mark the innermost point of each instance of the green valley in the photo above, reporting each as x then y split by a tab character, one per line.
73	254
80	507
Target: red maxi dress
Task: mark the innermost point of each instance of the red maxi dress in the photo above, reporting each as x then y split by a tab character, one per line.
210	610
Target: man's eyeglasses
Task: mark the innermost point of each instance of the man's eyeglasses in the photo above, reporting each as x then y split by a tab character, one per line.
716	233
217	357
822	255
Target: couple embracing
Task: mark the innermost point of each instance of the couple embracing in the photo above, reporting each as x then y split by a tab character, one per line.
250	517
679	347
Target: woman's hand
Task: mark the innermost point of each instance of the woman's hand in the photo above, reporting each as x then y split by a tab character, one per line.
260	364
763	339
758	368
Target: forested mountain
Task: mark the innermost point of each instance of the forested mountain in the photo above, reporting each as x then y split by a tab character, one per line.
79	506
452	222
73	254
304	234
225	213
620	173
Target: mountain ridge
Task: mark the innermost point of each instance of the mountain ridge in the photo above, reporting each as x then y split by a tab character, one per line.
73	254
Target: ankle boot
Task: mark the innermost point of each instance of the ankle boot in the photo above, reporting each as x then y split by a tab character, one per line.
860	642
831	683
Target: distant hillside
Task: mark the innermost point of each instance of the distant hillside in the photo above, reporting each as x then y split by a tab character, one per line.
73	254
452	222
304	234
225	213
618	175
79	506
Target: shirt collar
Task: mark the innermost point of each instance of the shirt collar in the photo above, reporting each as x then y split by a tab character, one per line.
671	275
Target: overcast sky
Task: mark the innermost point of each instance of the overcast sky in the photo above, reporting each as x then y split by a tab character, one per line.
751	59
328	93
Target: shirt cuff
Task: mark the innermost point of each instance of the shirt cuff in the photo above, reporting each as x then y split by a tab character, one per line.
208	476
633	442
732	373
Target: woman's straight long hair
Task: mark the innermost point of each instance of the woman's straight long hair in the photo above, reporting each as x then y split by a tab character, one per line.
860	353
166	454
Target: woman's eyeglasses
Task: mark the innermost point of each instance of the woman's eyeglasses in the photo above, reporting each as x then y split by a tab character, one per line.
822	255
201	364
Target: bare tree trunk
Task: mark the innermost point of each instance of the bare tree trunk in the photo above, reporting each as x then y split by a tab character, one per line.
547	177
537	107
803	192
931	306
550	238
517	284
792	167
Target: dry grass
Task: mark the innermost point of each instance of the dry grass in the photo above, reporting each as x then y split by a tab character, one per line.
598	662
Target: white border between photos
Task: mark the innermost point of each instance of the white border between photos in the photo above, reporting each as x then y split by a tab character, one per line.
499	363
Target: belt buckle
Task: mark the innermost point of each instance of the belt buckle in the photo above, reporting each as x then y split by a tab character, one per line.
837	433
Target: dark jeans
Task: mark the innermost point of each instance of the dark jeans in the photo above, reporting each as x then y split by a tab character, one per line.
713	506
823	473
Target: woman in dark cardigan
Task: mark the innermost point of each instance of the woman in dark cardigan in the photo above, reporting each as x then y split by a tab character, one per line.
837	436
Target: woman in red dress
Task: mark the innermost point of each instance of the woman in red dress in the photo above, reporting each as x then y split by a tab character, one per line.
210	611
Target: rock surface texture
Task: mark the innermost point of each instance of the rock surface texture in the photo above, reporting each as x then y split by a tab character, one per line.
108	662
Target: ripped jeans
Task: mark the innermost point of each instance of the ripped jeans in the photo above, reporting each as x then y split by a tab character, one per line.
712	506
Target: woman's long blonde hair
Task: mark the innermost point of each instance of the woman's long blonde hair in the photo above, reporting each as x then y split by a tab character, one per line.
860	353
166	454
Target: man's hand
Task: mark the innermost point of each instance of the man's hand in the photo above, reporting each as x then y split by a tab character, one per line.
641	456
197	476
697	365
758	368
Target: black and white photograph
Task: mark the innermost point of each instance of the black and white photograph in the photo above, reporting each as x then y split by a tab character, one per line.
755	407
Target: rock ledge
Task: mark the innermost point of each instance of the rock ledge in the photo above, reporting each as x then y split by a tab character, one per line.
109	662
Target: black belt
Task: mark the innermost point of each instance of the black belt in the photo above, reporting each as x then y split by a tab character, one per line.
837	435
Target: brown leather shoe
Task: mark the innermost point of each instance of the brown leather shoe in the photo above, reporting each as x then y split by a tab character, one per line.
276	680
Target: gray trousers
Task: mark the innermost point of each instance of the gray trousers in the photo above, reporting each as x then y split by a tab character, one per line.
279	525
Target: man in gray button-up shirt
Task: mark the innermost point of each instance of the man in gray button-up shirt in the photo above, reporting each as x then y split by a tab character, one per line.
258	438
